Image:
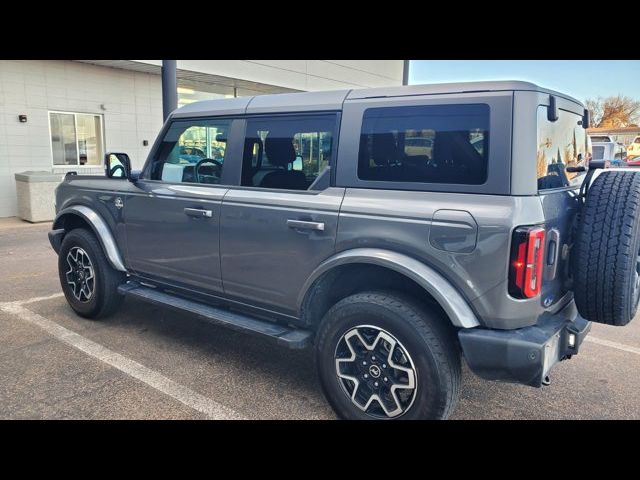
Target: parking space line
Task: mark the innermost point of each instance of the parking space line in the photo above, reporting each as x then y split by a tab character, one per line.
616	345
182	394
36	299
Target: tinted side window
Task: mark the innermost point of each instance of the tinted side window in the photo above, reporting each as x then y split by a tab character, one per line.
427	144
287	152
192	151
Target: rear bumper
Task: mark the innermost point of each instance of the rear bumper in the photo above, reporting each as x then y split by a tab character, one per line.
55	239
524	355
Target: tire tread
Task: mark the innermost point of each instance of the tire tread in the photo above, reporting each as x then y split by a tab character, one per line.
109	299
440	337
606	248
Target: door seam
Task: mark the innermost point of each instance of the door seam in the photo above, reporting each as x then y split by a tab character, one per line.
220	240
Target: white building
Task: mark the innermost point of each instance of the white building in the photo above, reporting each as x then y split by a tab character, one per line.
58	116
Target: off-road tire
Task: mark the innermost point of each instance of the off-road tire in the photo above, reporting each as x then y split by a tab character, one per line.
105	299
606	272
426	334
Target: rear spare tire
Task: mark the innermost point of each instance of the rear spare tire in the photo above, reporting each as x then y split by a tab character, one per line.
606	258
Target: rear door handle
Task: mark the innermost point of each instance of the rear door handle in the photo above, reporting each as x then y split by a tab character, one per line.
198	212
302	225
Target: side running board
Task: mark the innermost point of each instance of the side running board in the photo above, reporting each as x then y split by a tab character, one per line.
286	336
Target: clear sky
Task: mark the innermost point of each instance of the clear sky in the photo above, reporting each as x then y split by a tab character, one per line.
580	79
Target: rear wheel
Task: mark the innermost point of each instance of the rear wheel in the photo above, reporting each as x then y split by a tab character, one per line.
381	355
606	260
88	281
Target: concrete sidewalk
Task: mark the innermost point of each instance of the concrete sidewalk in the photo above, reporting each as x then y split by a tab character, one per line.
15	222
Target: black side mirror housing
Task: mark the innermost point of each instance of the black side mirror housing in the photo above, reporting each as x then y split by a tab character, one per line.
117	165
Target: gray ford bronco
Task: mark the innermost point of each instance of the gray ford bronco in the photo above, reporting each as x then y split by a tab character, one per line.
396	230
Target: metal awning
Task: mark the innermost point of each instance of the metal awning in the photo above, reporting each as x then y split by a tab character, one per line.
197	80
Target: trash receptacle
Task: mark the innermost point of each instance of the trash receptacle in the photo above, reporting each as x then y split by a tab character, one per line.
35	191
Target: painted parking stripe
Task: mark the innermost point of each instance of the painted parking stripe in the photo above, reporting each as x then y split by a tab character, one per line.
616	345
184	395
37	299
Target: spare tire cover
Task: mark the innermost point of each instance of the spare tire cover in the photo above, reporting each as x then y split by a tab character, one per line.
605	257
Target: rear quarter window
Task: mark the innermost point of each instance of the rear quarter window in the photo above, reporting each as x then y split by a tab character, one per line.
427	144
561	144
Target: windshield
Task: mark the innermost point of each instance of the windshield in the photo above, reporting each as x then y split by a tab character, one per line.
561	144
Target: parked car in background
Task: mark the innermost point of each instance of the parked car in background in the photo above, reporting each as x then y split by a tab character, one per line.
633	150
612	152
633	162
600	138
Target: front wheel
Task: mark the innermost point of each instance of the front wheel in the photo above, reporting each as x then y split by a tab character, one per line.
89	282
381	355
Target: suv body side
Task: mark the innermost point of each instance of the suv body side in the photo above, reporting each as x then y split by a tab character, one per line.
411	220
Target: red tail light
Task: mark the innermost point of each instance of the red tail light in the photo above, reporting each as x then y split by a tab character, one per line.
527	257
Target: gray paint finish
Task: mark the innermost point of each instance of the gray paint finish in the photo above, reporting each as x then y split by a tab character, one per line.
165	242
333	99
277	103
443	292
101	230
249	252
454	231
207	108
401	221
99	194
264	260
297	102
453	88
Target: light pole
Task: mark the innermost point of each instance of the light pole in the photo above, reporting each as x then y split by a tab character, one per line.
169	87
405	72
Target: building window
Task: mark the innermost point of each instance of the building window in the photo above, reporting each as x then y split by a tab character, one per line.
76	138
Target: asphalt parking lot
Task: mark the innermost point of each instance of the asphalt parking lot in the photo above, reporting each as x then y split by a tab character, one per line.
149	363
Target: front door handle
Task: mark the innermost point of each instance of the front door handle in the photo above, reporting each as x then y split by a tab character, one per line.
302	225
198	212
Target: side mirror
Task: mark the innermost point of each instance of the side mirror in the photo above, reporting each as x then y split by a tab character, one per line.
117	165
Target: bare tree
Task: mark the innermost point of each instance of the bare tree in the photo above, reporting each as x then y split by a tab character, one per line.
613	112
